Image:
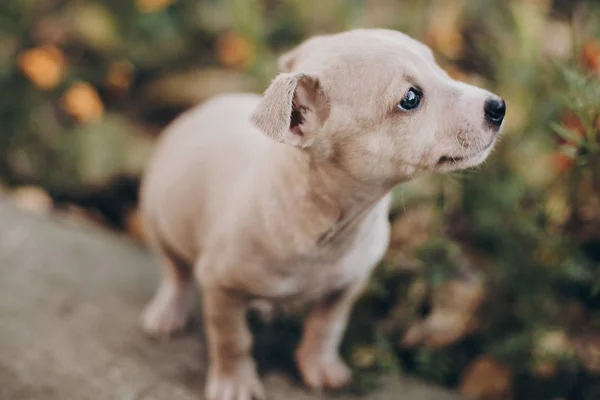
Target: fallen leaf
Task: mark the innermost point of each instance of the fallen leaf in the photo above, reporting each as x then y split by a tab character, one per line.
452	315
486	379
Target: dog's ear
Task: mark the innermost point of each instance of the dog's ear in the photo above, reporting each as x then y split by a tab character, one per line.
293	109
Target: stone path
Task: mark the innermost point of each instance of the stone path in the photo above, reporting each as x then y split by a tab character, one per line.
70	296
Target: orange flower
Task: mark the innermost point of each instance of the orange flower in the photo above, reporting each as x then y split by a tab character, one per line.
82	102
150	6
44	66
234	50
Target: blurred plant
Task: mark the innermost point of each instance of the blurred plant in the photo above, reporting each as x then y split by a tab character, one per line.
579	133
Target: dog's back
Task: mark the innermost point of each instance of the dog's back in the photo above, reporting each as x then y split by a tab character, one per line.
214	145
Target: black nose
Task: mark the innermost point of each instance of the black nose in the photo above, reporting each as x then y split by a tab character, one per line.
494	108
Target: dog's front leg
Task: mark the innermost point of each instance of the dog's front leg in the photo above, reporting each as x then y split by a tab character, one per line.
232	372
318	355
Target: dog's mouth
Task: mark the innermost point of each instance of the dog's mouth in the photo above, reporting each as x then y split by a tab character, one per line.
449	159
457	159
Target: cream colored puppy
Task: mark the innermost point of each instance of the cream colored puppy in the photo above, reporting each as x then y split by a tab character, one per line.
285	197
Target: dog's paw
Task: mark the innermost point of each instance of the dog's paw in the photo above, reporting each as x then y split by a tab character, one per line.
168	312
322	371
243	384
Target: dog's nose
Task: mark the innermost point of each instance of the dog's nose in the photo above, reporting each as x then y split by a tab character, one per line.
495	109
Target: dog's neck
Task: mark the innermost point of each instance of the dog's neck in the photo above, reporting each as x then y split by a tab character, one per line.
321	196
354	198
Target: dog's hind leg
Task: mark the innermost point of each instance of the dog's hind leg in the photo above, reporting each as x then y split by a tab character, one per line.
169	311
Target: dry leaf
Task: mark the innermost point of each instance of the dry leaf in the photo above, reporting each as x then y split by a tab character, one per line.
44	66
32	199
452	315
486	378
82	102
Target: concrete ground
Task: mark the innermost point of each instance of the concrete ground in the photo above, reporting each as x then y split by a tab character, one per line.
70	296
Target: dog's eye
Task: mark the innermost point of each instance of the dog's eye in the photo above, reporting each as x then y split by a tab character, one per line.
411	100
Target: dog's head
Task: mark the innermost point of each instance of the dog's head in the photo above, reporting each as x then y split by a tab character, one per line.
375	102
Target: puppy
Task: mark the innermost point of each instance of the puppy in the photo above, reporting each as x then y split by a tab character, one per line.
284	198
